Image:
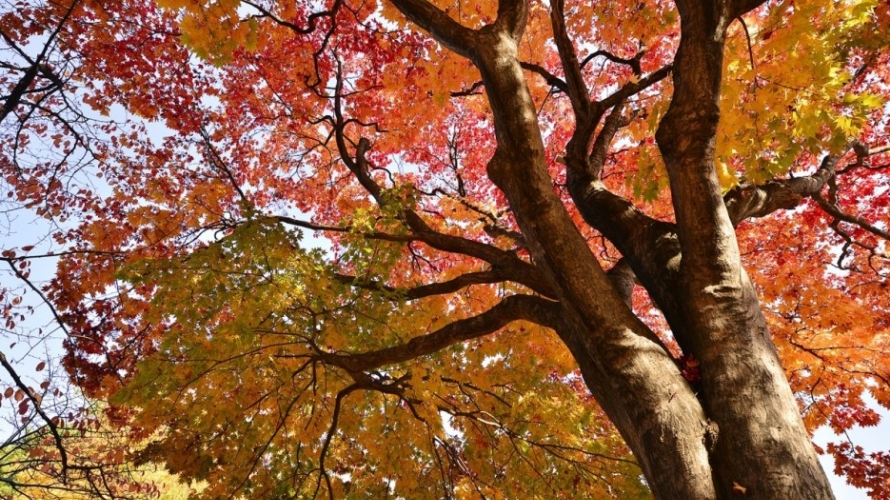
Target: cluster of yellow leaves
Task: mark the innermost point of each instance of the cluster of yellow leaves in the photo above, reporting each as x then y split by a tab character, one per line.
770	115
213	29
103	460
243	400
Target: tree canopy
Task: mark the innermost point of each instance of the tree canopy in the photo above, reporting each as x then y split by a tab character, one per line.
450	249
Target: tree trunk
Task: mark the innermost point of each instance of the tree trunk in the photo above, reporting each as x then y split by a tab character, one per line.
617	354
743	434
762	444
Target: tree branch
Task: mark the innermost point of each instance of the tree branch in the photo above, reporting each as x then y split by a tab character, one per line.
439	25
419	292
53	429
741	7
835	212
310	21
521	271
633	62
577	89
749	201
513	308
597	158
550	78
512	17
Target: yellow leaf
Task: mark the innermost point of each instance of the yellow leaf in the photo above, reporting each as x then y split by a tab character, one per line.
738	488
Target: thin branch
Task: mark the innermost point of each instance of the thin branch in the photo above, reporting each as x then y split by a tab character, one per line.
551	79
577	89
217	162
311	21
323	473
633	62
53	429
834	211
20	275
472	90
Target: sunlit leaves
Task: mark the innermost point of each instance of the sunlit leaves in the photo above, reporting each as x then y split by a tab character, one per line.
772	116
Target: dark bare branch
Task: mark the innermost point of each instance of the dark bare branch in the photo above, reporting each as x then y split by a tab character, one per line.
311	21
439	25
741	7
323	473
551	79
472	90
834	211
216	161
419	292
51	425
513	308
15	96
577	89
632	88
633	62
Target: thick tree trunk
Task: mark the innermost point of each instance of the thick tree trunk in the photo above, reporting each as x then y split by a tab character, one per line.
617	354
744	432
762	444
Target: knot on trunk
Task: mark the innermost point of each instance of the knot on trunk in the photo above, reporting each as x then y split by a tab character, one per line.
710	436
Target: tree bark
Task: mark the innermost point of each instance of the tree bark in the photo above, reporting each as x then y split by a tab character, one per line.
744	431
762	444
618	355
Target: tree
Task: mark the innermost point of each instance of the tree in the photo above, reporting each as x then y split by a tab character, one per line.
55	443
531	227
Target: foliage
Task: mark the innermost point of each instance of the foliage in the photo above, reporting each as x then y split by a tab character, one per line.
99	462
281	257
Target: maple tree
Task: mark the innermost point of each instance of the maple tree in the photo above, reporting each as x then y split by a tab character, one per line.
464	249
